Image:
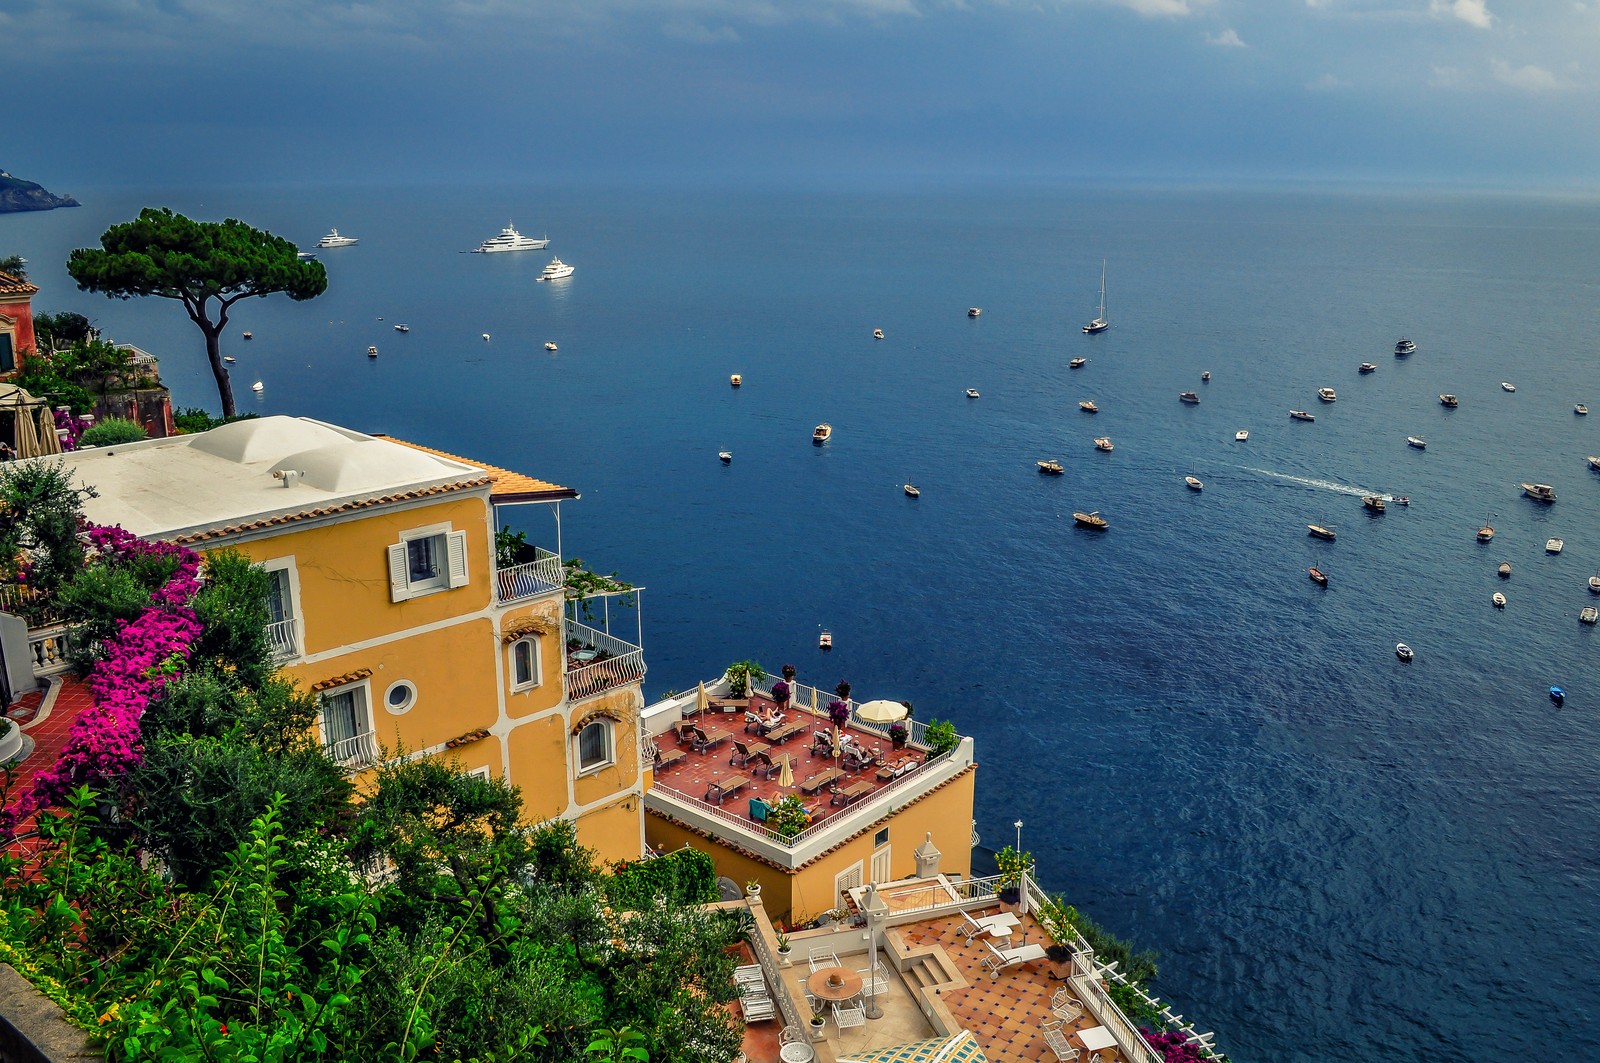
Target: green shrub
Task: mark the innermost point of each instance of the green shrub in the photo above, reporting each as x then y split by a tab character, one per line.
111	432
941	737
685	877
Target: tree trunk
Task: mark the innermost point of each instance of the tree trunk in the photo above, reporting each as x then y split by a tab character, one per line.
218	369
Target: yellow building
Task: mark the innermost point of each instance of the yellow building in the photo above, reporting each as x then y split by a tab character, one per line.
390	603
878	813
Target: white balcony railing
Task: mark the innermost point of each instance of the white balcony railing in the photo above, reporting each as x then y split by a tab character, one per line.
600	676
539	576
48	648
356	752
285	638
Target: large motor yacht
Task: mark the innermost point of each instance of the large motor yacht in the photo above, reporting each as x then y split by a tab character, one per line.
556	270
333	239
510	240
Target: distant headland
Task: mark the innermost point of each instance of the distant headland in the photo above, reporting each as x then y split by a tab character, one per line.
17	194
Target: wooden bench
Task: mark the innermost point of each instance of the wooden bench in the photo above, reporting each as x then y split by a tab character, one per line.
851	794
819	780
723	789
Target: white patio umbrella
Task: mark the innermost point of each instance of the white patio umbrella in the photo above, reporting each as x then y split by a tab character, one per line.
881	711
701	701
786	773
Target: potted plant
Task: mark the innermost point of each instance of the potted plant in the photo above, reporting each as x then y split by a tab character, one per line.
784	948
1060	958
839	712
1012	866
941	737
818	1025
740	675
898	733
752	889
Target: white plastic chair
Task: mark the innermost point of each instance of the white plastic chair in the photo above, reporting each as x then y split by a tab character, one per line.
1066	1006
820	958
846	1016
1055	1036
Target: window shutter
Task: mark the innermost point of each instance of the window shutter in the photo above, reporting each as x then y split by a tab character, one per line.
399	583
457	545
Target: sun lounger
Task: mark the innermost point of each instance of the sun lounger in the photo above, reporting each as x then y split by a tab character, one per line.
665	759
723	789
784	733
706	740
890	772
772	766
988	924
822	742
999	959
743	752
819	780
850	794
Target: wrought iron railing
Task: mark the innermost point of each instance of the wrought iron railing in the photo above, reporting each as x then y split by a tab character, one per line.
539	576
600	676
356	752
285	638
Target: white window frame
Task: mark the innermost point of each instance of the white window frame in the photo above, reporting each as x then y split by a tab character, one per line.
535	645
411	701
451	571
610	731
296	622
483	773
881	857
847	880
356	751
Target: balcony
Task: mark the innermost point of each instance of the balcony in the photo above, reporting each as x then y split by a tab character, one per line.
285	638
598	662
356	752
539	573
48	649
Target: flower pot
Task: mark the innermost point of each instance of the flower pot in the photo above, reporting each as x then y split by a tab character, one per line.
899	743
783	957
818	1028
753	891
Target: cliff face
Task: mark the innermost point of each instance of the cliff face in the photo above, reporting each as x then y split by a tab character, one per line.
18	195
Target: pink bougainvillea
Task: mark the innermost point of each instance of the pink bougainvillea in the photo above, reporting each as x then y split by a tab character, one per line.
1174	1047
104	742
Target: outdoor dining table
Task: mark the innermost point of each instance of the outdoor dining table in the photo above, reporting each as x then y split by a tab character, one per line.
797	1052
835	983
1097	1037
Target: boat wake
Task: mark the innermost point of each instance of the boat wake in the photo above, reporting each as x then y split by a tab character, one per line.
1320	485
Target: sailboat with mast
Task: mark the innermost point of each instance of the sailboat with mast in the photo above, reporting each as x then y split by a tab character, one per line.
1100	324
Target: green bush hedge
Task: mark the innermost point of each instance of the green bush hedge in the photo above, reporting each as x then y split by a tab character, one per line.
112	431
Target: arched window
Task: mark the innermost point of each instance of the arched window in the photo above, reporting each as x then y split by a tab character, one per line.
594	746
526	665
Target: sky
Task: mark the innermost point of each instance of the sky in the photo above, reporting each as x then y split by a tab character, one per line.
1476	93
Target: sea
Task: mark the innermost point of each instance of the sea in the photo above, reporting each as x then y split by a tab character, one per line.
1336	855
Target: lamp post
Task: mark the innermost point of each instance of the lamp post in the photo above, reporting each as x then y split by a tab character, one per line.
873	906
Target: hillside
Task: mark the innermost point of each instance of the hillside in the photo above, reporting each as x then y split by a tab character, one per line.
16	195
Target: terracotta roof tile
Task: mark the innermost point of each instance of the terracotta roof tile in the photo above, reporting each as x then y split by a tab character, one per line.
325	511
10	285
506	486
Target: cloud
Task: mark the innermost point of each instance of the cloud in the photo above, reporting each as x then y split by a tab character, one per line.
1447	77
693	32
1228	38
1158	8
1527	78
1472	12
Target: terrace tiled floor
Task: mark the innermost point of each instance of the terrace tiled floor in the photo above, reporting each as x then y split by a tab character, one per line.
693	775
46	727
1004	1013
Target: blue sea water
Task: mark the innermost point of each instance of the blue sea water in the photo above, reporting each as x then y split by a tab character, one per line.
1337	855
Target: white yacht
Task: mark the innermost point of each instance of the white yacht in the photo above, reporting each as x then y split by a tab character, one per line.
333	239
1327	395
556	270
1241	435
510	240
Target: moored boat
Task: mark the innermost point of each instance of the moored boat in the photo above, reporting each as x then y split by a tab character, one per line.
1102	443
1404	652
1504	570
1449	400
1051	467
825	640
1594	462
1506	385
258	387
1373	502
1100	324
1553	545
1581	409
974	311
1088	406
877	333
1190	397
1558	695
1077	363
1589	615
1485	532
510	240
1404	347
1594	584
1416	441
230	359
1205	377
1319	577
735	380
1317	531
1539	492
972	393
333	239
1366	367
402	328
555	270
912	492
726	456
1241	435
249	336
1300	415
1327	394
822	433
1093	521
1499	600
550	345
1399	500
1194	483
372	352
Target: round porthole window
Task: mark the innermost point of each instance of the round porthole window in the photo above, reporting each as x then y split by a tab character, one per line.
400	697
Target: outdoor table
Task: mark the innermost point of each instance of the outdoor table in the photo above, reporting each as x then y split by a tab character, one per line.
823	988
1096	1038
797	1052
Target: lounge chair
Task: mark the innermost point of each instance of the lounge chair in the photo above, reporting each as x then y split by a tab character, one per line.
772	765
784	733
1055	1035
987	924
708	740
759	809
999	959
743	753
850	794
759	1009
822	742
819	780
749	974
722	789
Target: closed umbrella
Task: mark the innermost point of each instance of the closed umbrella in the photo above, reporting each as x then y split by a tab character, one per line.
27	433
813	701
786	773
49	442
881	711
701	702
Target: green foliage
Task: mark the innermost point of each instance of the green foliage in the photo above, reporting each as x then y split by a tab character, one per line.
56	331
234	614
15	265
618	1046
741	674
111	432
581	585
39	547
509	547
685	877
941	737
191	419
1137	966
76	373
1134	1006
207	266
788	817
1012	864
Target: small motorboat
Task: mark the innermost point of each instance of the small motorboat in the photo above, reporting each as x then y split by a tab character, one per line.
1416	441
1093	521
726	456
550	345
1448	400
1327	395
1540	492
1190	397
1558	695
230	359
1589	615
1300	415
1400	500
1088	406
1594	462
1506	385
485	337
372	352
972	393
1581	410
1103	443
911	492
248	336
877	333
1194	483
1373	502
825	640
1486	532
1240	436
1319	577
402	328
1499	600
1366	367
1317	531
736	380
258	387
1079	363
1504	570
1051	467
1404	347
1594	584
1402	651
974	311
1553	546
1205	377
821	434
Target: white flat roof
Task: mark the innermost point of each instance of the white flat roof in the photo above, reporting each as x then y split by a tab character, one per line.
248	470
